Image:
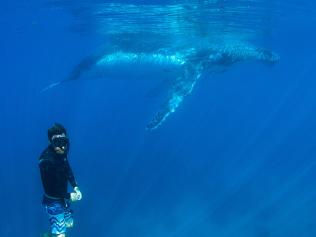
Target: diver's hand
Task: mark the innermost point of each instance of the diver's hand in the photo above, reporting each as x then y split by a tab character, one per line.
76	195
78	192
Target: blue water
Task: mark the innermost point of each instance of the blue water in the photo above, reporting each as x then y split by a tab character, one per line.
236	159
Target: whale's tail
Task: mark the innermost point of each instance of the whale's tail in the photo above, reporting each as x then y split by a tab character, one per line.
81	68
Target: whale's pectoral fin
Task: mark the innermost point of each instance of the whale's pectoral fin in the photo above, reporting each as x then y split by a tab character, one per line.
182	87
51	86
158	119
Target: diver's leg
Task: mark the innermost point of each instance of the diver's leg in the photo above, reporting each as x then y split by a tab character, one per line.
68	216
53	235
56	215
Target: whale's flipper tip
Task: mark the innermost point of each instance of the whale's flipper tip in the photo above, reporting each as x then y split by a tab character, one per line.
50	86
158	119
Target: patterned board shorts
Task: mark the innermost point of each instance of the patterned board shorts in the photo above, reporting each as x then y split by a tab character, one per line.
60	216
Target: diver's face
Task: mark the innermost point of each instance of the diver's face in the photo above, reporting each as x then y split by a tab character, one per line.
60	143
59	151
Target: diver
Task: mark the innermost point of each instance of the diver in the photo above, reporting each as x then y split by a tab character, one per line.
55	174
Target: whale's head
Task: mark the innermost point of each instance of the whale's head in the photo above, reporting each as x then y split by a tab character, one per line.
268	57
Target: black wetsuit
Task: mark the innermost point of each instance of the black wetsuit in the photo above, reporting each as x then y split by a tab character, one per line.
55	173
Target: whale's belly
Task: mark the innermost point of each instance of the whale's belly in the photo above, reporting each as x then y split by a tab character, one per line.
139	66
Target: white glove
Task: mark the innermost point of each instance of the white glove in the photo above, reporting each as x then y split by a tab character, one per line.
79	194
75	196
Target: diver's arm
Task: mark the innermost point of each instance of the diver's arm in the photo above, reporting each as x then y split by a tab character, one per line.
76	195
70	175
47	172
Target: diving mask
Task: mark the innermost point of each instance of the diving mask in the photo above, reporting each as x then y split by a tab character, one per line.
60	141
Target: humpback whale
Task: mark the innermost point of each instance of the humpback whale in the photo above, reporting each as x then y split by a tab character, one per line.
182	67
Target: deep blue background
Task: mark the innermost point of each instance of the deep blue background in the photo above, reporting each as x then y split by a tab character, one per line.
236	159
